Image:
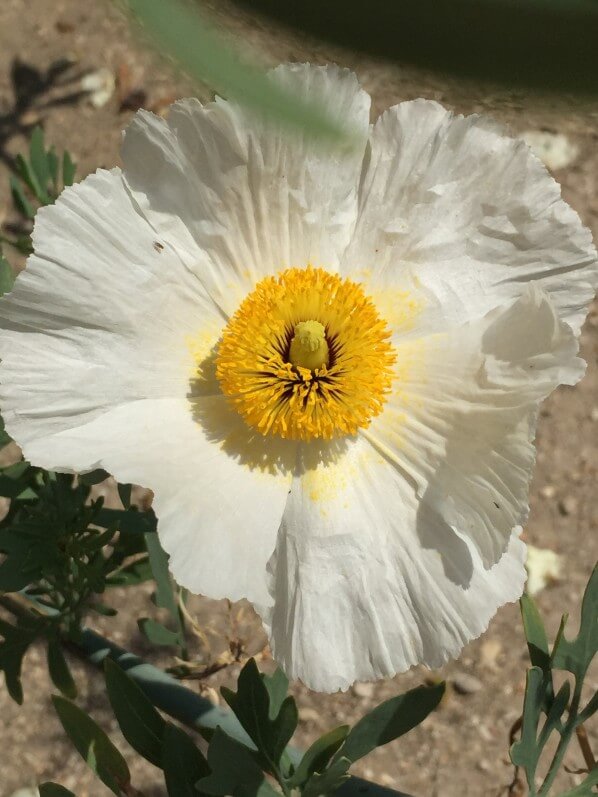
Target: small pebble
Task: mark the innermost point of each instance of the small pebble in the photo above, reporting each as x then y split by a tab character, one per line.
548	491
489	652
307	714
29	792
568	505
466	684
364	690
555	150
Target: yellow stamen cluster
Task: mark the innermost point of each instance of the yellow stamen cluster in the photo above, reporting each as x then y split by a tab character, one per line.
306	356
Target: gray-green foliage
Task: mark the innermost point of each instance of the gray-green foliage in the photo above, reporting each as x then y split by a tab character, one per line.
546	713
268	716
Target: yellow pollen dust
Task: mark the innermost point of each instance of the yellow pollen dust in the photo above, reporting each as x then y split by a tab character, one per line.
306	356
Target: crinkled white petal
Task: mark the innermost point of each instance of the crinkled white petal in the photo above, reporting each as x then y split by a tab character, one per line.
254	196
401	550
98	318
218	511
97	372
460	422
469	213
358	594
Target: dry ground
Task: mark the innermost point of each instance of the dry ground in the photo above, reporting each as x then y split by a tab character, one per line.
462	750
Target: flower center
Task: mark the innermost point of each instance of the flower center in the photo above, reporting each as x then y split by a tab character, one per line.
306	356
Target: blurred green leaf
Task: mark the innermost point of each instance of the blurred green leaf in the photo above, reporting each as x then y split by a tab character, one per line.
234	771
54	790
549	44
7	278
68	169
22	204
39	165
59	669
93	745
140	723
389	720
251	703
182	762
316	758
184	34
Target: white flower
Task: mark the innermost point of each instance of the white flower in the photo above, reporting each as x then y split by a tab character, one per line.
326	365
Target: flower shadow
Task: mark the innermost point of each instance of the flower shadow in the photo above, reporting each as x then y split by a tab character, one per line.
268	454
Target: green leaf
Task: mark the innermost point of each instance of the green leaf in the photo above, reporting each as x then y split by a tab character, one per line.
165	590
93	477
140	723
156	633
16	642
124	493
269	731
39	163
132	574
535	633
68	169
234	771
5	438
59	669
575	656
22	204
93	745
130	521
101	608
316	758
53	164
186	36
525	752
182	762
7	279
277	685
390	720
586	787
54	790
328	781
549	44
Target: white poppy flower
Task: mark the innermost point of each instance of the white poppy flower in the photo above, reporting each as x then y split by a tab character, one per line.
326	365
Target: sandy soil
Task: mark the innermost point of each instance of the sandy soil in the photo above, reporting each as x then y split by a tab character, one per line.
461	751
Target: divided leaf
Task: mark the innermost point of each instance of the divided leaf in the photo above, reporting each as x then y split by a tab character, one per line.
269	721
316	758
576	655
